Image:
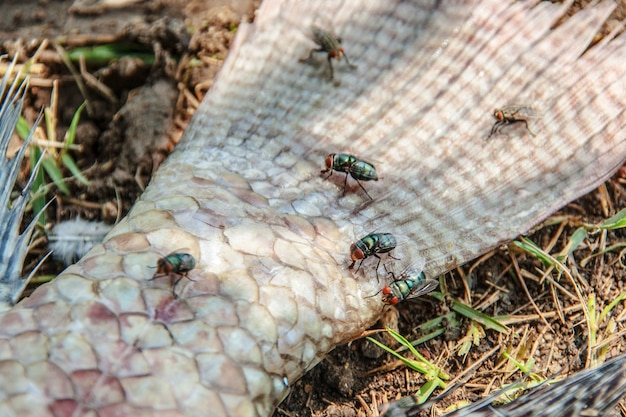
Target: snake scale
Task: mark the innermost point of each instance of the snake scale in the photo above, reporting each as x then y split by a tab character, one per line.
271	292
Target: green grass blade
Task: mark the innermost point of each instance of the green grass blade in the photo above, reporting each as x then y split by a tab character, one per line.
438	322
531	247
611	306
424	393
103	54
22	128
433	328
71	165
403	341
611	248
428	337
39	198
616	222
415	365
473	314
430	372
525	368
70	136
482	318
575	240
49	123
435	372
55	174
42	279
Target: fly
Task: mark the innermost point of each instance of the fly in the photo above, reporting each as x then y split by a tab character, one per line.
358	169
175	263
411	283
372	245
331	45
512	114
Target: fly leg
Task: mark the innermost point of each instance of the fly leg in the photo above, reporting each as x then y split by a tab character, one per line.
324	171
176	281
358	267
330	65
497	126
310	57
360	185
345	184
393	276
180	277
348	61
378	265
528	128
392	257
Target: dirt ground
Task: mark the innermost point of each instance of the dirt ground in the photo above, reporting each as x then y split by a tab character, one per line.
130	128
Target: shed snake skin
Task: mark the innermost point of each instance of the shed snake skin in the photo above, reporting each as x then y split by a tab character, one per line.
271	292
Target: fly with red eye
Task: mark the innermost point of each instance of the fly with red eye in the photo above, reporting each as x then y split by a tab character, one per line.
512	114
372	245
329	44
412	283
175	263
358	169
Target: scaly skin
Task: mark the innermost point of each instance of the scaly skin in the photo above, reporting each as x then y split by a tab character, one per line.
271	292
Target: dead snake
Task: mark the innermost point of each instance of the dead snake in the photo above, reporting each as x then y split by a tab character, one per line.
271	292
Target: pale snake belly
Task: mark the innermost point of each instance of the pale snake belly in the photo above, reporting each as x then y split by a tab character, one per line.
271	292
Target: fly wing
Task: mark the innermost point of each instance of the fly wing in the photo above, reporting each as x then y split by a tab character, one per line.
403	265
520	111
411	267
423	287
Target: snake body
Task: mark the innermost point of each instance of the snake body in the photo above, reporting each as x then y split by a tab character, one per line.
271	292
